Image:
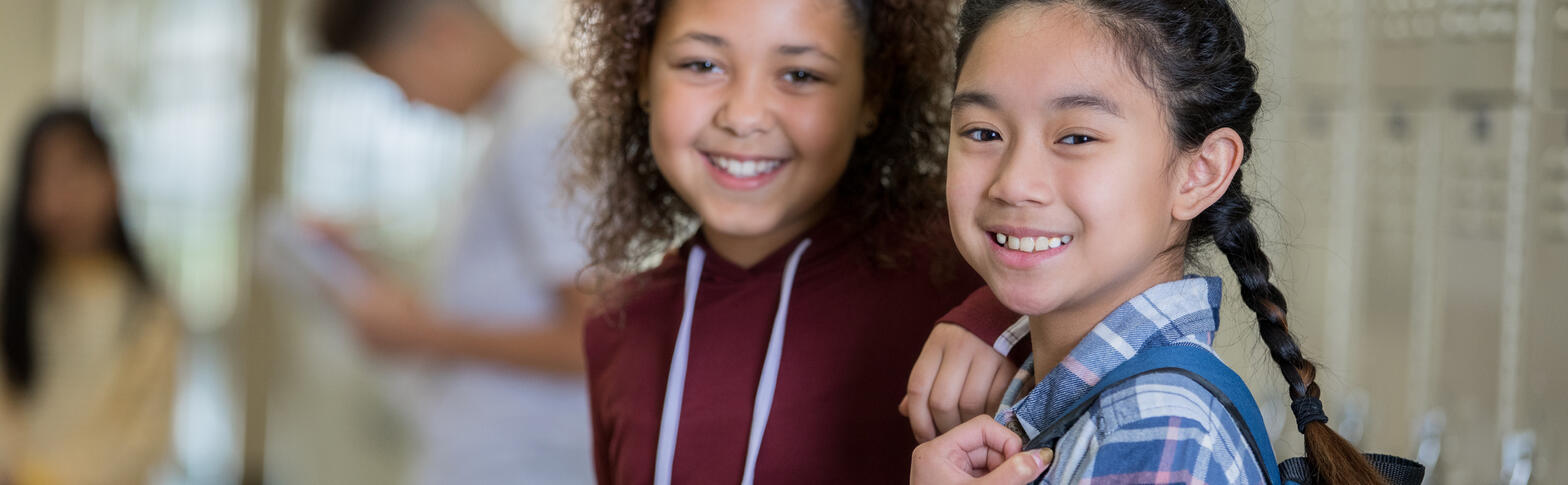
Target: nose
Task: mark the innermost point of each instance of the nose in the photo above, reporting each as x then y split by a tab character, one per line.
1023	180
746	109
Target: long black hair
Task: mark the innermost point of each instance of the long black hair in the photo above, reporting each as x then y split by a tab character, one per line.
1193	55
25	248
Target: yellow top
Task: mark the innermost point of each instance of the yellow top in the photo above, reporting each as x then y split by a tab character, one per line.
99	412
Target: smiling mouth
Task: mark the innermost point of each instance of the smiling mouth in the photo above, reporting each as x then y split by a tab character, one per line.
745	168
1029	244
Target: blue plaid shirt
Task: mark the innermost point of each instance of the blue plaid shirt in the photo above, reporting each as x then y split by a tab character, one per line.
1155	428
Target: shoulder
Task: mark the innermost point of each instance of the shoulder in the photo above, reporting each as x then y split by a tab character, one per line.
633	299
1159	395
1166	422
156	316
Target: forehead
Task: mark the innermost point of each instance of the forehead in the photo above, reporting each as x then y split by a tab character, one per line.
828	22
64	138
1036	52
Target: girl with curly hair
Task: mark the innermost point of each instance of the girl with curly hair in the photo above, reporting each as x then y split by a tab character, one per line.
779	161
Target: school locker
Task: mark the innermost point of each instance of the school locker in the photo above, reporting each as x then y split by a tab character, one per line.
1311	254
1393	223
1543	367
1416	175
1396	223
1546	330
1471	254
1543	381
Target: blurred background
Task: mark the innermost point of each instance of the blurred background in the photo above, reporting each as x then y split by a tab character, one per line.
1414	154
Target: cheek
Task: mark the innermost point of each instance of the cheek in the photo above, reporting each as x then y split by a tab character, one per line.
1123	208
41	211
50	192
966	184
99	204
822	128
678	110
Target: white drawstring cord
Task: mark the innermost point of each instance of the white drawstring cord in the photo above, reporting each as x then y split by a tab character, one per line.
674	390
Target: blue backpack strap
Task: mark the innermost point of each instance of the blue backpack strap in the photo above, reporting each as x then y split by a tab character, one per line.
1196	363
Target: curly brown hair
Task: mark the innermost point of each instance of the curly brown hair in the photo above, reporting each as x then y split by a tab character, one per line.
893	188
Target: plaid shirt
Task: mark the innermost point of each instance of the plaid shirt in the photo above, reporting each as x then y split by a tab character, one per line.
1155	428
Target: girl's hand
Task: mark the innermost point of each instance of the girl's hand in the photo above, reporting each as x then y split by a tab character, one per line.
957	377
979	452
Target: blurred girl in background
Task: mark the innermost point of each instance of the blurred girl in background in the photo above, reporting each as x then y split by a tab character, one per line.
87	342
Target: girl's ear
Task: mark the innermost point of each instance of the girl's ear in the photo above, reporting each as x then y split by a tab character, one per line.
1207	173
868	116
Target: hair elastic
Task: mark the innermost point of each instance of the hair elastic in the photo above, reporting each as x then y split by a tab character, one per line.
1308	410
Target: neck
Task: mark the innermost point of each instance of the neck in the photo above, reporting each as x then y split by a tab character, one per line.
75	262
508	56
501	59
1054	335
748	250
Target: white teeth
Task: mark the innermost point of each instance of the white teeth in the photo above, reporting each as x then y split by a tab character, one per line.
1032	244
745	168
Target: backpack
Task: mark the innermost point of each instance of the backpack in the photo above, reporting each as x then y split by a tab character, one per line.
1206	369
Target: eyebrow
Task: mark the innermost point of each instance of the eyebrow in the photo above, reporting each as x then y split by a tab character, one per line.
1088	100
796	50
970	99
709	39
788	50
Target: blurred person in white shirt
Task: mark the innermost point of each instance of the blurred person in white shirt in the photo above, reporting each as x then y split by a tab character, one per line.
506	314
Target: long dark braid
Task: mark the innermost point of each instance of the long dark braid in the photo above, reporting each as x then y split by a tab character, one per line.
1192	53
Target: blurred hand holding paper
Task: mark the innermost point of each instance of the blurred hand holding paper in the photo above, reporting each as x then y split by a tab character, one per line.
319	249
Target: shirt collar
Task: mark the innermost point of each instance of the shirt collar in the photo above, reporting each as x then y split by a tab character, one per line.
1181	311
828	237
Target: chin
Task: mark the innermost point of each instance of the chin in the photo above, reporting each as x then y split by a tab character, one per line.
736	220
1025	294
1026	301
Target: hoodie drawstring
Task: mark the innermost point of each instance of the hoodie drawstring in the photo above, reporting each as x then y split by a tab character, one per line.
675	389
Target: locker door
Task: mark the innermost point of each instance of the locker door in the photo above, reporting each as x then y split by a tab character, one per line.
1470	249
1543	365
1479	40
1389	226
1321	142
1395	235
1545	362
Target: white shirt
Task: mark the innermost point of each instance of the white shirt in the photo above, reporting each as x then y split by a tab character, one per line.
517	243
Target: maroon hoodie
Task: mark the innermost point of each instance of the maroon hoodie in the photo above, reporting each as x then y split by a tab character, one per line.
852	333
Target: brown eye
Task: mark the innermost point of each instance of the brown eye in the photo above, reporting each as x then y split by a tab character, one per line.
701	67
800	76
1076	139
981	135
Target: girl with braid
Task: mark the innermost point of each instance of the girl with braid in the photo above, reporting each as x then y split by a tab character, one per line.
1096	146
